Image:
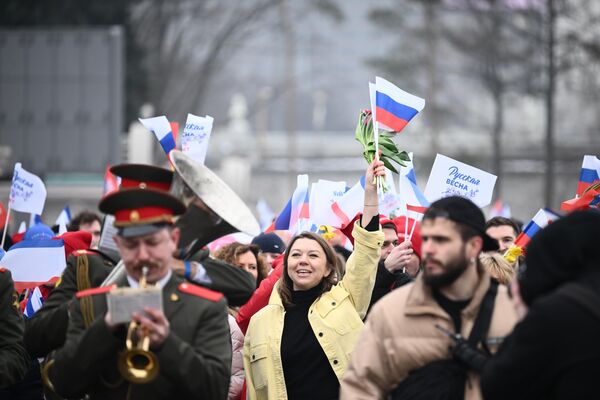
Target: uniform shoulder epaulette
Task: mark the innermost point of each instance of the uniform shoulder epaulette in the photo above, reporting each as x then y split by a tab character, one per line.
92	291
82	252
94	252
2	269
199	291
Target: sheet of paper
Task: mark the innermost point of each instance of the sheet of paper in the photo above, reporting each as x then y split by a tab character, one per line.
123	302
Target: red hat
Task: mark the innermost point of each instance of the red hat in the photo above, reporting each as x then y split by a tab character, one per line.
402	234
79	240
142	176
383	220
141	211
347	230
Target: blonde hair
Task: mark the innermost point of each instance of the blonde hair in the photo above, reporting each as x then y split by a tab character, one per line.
498	267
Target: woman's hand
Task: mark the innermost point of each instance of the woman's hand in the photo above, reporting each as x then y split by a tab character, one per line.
371	207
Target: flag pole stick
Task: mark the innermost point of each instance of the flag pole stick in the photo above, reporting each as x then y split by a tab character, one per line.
406	238
5	226
376	139
412	230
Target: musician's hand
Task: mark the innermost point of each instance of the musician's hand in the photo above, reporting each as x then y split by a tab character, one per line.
109	323
155	324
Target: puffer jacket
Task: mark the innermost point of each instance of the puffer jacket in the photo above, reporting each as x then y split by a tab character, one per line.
335	317
237	361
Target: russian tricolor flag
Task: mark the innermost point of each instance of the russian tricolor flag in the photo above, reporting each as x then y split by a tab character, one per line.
410	194
541	220
590	173
295	215
34	303
111	182
394	107
35	262
300	211
161	128
63	220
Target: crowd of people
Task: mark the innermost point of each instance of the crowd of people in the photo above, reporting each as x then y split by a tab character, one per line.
434	312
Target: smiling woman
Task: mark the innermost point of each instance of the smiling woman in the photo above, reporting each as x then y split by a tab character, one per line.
299	345
308	262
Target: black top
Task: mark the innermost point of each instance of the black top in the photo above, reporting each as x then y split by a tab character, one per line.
307	372
306	368
452	307
386	281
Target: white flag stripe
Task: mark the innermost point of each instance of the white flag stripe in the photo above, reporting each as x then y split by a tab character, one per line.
34	262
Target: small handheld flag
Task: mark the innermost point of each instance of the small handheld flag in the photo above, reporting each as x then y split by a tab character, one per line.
295	215
590	173
410	194
28	192
111	182
394	108
63	220
161	128
541	219
34	303
196	134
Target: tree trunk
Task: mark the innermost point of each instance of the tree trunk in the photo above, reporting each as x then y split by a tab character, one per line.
551	71
497	139
431	68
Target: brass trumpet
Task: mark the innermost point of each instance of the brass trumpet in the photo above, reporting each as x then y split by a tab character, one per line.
137	364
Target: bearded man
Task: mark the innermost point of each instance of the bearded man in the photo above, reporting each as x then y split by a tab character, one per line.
402	334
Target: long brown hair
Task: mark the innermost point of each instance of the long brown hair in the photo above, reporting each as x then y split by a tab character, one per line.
286	286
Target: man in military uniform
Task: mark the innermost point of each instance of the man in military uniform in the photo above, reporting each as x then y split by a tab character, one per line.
46	330
14	360
190	337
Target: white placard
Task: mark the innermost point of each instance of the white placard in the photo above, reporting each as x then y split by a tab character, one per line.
27	192
195	137
322	194
106	236
389	202
450	177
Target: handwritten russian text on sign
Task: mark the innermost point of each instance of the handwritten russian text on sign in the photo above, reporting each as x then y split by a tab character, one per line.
450	177
195	137
28	192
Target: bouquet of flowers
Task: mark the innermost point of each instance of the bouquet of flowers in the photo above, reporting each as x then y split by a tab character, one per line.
389	151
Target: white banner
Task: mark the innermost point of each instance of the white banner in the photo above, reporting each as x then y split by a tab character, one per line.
195	137
28	192
322	195
450	177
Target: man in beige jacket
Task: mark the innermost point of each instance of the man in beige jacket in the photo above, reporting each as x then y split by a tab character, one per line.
400	334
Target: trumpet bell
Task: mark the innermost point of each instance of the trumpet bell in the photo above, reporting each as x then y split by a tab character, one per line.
138	366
